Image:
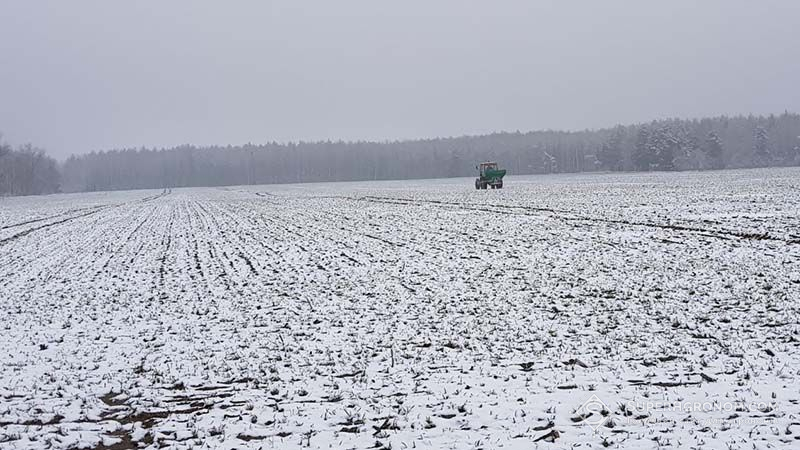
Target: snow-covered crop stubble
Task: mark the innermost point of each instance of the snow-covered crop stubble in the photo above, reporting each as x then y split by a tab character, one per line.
406	314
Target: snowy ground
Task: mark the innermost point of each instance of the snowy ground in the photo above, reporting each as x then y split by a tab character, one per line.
406	315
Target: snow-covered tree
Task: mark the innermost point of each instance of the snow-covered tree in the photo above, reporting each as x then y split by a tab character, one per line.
549	163
714	152
664	146
762	156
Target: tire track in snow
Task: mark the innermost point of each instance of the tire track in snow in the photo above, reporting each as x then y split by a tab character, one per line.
41	219
559	214
71	218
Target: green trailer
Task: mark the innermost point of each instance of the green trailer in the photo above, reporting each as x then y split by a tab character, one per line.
489	175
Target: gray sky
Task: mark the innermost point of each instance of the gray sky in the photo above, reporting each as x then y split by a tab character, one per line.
79	75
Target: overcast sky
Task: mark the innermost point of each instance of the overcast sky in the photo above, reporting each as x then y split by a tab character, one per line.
77	76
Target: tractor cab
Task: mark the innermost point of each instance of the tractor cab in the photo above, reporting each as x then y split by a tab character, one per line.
484	167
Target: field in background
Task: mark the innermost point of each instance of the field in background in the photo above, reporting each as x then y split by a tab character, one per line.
406	314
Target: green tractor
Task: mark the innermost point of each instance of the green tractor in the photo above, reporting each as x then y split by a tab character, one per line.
489	175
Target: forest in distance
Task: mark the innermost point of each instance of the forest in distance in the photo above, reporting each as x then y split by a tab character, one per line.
661	145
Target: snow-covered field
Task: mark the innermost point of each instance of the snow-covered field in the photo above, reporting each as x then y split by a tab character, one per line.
634	311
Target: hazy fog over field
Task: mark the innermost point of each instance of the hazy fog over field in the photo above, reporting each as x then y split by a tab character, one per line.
89	75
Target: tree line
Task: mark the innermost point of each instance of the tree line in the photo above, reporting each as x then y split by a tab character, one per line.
662	145
27	171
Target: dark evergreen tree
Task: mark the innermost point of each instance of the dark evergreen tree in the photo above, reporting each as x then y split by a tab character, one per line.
643	155
611	152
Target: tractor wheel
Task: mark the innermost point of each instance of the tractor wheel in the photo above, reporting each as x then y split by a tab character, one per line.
500	185
477	183
483	185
